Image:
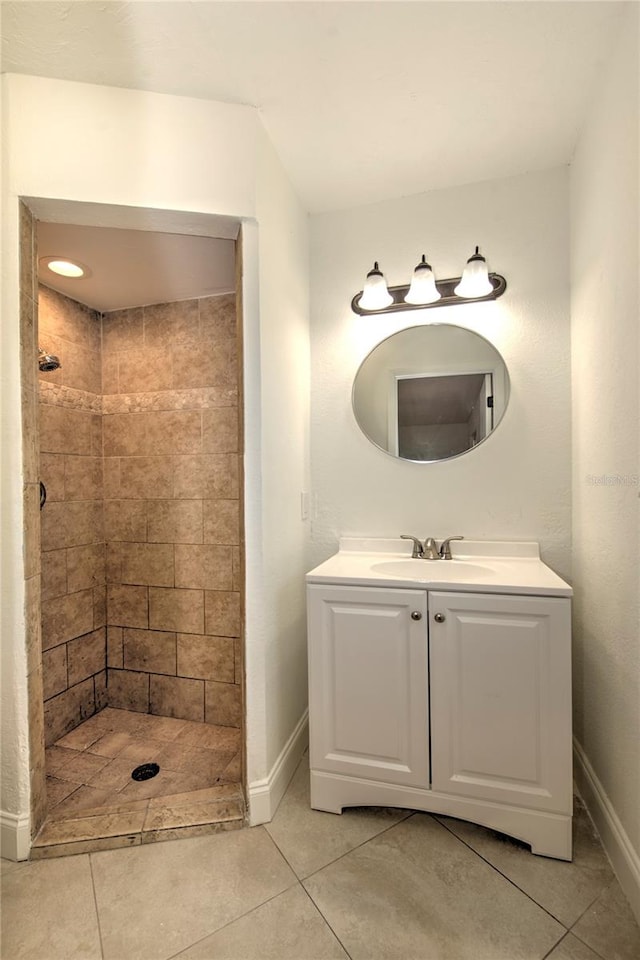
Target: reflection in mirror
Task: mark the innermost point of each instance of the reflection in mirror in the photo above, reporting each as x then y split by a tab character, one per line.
440	417
430	393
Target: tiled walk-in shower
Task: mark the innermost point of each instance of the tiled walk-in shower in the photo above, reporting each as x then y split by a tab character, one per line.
137	582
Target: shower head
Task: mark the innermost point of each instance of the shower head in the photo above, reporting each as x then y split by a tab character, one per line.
48	362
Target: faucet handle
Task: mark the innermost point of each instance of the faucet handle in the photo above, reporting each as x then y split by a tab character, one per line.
445	549
417	551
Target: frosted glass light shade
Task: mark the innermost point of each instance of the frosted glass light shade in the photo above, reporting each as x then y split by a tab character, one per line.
475	279
375	295
423	285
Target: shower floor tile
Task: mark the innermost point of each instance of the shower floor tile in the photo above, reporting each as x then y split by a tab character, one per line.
89	782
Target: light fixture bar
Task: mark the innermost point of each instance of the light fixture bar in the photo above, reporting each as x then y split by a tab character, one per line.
447	296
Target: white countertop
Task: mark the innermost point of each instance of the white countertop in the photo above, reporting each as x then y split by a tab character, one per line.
480	566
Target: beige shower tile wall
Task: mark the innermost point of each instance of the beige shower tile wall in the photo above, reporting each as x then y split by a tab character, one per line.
172	509
31	478
73	614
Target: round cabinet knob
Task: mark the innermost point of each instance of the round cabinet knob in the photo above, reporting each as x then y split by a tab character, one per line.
416	615
439	617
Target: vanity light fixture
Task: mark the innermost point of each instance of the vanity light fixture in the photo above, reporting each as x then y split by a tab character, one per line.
425	291
70	269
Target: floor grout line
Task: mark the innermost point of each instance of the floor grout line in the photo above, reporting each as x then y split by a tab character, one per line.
409	815
229	923
588	945
556	945
308	876
597	897
326	921
505	877
281	852
95	900
572	934
576	922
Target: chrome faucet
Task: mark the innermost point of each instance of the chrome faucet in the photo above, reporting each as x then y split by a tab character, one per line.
426	551
429	549
445	549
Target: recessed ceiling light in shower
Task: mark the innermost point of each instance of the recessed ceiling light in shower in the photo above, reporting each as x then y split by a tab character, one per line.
71	269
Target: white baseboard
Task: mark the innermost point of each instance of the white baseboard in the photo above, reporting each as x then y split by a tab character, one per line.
624	858
265	795
15	836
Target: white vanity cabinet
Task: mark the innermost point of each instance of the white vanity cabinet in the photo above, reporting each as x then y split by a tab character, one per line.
446	701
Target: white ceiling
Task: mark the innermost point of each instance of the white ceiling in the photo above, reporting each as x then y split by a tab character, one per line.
363	101
130	268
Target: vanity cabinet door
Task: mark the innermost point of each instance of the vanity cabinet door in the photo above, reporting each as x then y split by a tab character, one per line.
368	683
501	699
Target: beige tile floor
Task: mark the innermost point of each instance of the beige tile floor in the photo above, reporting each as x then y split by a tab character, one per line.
368	885
92	797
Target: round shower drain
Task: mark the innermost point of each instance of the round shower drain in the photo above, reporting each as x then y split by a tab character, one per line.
145	771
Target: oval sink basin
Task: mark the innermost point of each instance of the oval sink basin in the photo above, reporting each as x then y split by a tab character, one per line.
432	569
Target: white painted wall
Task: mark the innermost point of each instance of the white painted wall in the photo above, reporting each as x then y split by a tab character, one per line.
82	141
606	443
277	636
14	734
90	144
517	484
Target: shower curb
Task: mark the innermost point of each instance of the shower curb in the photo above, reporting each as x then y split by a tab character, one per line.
140	822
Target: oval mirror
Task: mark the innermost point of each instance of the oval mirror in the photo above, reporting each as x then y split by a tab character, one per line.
430	393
